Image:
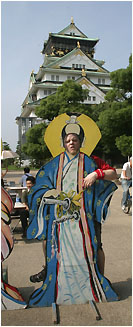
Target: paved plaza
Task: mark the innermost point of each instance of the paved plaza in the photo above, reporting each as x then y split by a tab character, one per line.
27	258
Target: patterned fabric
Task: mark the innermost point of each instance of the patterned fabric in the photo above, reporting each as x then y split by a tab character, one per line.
94	204
73	277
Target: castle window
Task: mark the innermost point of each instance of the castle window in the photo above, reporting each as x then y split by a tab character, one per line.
34	97
94	98
52	77
47	92
23	127
57	77
29	123
101	81
23	130
73	77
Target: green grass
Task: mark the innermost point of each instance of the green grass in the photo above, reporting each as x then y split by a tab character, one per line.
13	167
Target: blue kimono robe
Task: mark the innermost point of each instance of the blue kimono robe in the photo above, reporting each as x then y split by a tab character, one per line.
95	202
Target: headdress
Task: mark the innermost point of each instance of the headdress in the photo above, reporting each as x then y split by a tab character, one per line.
83	126
73	127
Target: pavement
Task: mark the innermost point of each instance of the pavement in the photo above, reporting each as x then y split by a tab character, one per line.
27	259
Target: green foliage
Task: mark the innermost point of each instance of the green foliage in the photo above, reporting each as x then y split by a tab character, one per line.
124	144
18	161
115	120
5	146
48	108
68	98
35	146
121	83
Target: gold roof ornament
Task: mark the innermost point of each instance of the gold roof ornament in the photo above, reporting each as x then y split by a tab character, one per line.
78	45
72	21
83	72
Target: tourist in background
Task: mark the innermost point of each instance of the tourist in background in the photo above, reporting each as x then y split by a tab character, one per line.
24	213
24	177
126	181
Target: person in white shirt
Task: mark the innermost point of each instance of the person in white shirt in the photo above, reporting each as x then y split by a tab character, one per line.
126	181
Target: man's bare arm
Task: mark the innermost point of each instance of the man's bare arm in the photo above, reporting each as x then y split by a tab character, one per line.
109	175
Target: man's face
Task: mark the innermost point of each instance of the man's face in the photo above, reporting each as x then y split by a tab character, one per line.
72	144
29	184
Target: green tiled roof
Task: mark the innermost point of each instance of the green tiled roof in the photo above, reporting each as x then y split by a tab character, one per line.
74	37
64	29
68	54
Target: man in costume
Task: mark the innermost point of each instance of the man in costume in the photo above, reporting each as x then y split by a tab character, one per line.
66	208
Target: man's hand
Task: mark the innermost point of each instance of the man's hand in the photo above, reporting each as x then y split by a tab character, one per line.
26	207
89	179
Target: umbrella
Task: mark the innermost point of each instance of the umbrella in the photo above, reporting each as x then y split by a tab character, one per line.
9	154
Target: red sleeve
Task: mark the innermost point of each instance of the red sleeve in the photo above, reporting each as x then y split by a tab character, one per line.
102	164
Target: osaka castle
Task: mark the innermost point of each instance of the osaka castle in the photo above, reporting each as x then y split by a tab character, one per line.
68	54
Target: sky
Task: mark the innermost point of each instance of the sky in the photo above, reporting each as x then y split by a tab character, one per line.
25	26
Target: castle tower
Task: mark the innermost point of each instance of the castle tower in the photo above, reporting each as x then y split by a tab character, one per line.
68	54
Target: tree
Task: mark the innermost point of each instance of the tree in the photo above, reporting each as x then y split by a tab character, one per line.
124	144
48	108
18	161
121	83
69	97
35	147
5	146
115	120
